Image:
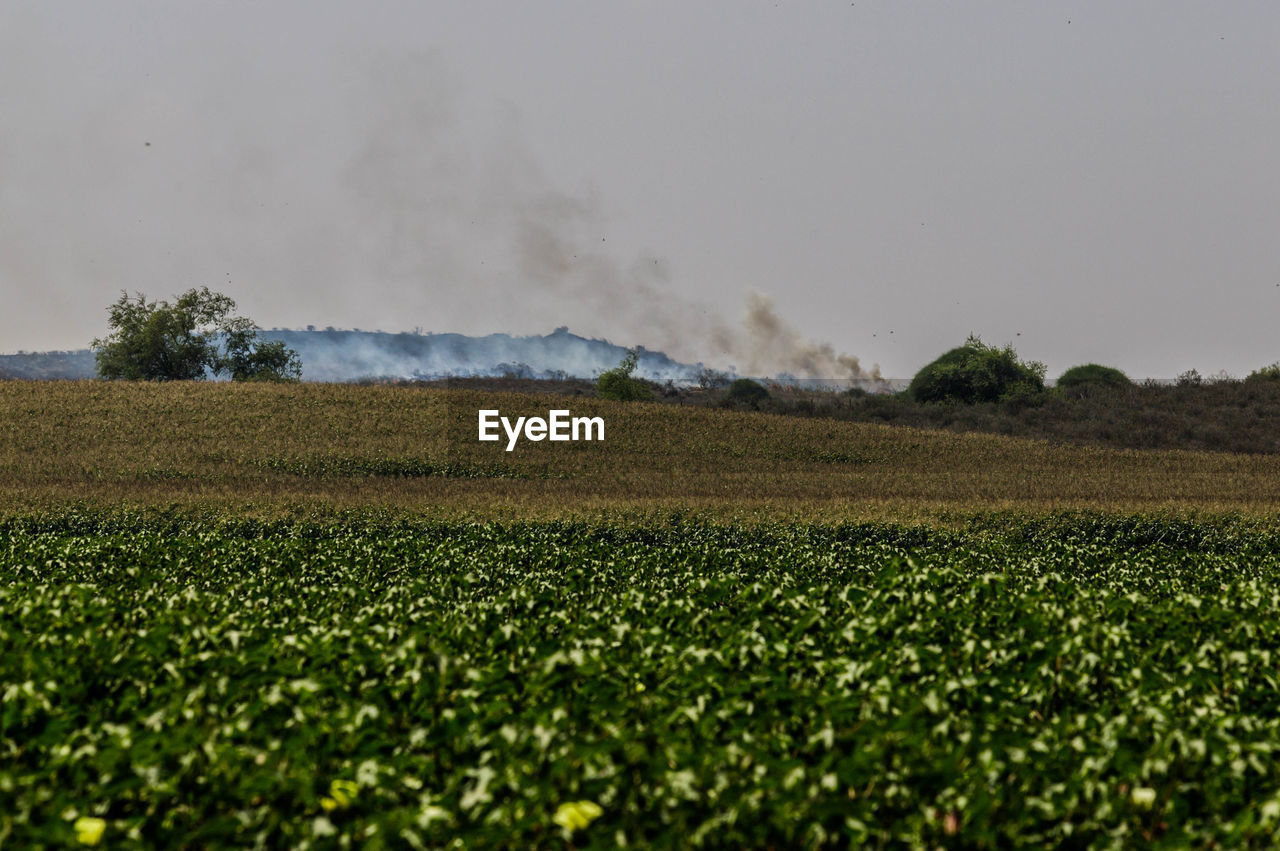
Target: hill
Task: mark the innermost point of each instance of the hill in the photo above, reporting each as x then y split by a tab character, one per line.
315	447
333	355
48	366
338	355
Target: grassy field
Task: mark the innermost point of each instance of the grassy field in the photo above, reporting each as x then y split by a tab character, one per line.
321	616
277	450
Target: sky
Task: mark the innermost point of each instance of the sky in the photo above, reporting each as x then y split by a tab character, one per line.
746	184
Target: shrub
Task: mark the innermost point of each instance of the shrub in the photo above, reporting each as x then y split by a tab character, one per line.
617	383
1093	376
1190	378
247	358
1022	396
747	392
976	372
1266	373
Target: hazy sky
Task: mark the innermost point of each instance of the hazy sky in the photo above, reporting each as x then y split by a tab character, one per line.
1091	181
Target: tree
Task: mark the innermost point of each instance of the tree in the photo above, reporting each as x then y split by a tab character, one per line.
976	372
617	383
747	392
1090	376
189	340
246	358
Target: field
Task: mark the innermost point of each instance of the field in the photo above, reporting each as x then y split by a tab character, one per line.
308	450
316	616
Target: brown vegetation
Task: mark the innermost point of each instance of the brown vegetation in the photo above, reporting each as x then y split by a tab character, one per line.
313	447
1214	416
1226	416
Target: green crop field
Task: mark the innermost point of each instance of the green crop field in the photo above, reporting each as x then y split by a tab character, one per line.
328	617
1084	682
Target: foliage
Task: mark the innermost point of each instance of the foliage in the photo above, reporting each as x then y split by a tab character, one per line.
617	384
1217	416
1096	682
1190	378
159	341
976	372
1266	373
187	340
1023	396
1092	375
342	467
747	392
246	358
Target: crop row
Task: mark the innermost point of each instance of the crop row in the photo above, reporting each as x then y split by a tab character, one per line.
553	685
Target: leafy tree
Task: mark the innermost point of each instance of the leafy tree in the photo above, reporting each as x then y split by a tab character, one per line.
246	358
618	384
748	392
1092	376
188	340
976	372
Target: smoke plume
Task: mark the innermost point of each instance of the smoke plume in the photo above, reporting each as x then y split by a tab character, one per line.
772	344
557	257
359	188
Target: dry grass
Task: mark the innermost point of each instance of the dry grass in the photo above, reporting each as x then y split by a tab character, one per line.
242	447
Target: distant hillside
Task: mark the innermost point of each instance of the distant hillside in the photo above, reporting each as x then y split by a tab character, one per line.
48	365
333	355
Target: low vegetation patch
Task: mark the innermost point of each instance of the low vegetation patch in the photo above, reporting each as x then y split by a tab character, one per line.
1215	416
340	467
1034	682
